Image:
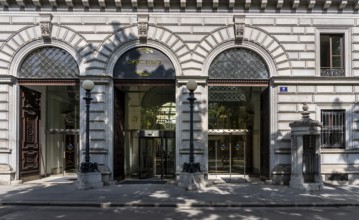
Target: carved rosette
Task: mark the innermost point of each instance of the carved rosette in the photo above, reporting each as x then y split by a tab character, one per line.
239	24
46	29
239	31
142	24
45	25
142	30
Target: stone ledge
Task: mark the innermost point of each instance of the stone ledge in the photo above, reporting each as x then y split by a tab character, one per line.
191	181
89	180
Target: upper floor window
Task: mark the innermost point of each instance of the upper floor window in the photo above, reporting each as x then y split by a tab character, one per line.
332	55
333	130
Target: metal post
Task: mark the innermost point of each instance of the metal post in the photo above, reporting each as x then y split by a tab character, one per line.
191	100
87	166
191	167
88	99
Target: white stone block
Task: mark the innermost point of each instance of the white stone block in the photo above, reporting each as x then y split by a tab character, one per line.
306	89
23	19
334	98
355	47
298	64
287	108
262	21
4	125
278	30
283	72
303	72
325	89
287	21
4	19
3	134
89	180
70	20
93	20
191	21
307	39
310	64
344	89
331	22
203	29
294	47
307	55
215	21
293	55
334	158
310	47
165	20
287	38
288	117
295	98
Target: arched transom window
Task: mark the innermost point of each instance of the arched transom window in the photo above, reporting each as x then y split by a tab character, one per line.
49	62
238	63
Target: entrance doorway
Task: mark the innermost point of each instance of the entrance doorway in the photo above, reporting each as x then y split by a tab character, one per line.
145	119
235	130
30	151
156	154
227	151
49	129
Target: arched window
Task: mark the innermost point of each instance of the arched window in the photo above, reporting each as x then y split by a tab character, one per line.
238	63
144	63
49	62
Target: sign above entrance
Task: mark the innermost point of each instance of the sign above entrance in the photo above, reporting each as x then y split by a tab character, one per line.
144	63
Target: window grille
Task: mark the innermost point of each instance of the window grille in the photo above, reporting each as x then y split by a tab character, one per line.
238	63
332	55
49	62
333	130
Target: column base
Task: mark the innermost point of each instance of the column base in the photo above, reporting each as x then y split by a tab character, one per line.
191	181
89	180
298	183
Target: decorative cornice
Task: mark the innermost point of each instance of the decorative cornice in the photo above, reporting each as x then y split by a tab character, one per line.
306	120
233	6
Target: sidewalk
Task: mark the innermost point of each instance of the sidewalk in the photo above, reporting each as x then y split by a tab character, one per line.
61	191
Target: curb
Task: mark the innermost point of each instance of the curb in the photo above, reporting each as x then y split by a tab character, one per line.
173	205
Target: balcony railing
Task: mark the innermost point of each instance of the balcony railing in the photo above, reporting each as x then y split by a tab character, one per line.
332	72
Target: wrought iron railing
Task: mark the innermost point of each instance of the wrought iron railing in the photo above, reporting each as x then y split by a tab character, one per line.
332	72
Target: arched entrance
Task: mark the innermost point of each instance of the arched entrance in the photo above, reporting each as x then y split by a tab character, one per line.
145	115
49	112
238	113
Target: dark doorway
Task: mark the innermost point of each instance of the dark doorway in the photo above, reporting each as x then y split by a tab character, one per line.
29	134
264	149
119	147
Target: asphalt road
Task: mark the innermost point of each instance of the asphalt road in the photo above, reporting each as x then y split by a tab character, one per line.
155	213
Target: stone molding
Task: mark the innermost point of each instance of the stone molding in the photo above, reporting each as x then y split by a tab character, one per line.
26	36
279	6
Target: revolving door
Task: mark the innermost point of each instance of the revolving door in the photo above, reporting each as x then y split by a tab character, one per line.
156	154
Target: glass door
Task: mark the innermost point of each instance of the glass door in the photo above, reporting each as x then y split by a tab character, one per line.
227	151
147	157
156	154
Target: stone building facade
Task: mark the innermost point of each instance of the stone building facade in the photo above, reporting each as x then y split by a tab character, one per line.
255	62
